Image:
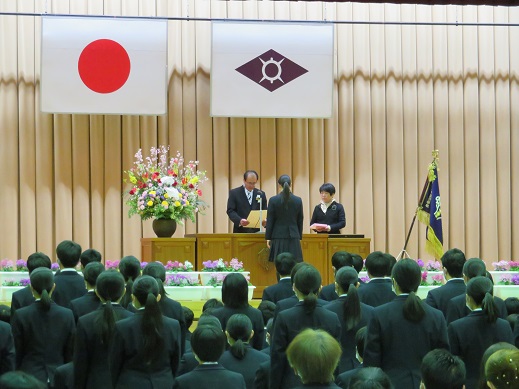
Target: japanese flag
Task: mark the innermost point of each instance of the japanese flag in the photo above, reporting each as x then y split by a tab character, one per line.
103	66
272	70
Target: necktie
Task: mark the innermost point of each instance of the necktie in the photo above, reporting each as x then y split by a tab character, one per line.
249	197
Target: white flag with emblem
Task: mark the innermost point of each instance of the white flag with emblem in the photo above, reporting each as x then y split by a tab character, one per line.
272	70
103	65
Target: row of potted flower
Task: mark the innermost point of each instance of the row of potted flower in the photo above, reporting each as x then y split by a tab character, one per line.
437	279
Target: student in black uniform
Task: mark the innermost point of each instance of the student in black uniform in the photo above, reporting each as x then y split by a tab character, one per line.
95	332
284	262
146	346
378	290
339	260
130	268
442	370
89	302
69	283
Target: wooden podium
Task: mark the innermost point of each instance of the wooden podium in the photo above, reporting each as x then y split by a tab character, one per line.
252	250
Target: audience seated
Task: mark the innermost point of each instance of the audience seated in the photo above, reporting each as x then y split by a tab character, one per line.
452	262
189	317
482	384
145	349
343	379
352	314
314	355
130	268
235	296
89	256
339	260
208	344
241	357
20	380
284	263
307	313
470	336
95	332
378	290
401	332
372	378
43	332
502	369
88	302
69	283
442	370
23	297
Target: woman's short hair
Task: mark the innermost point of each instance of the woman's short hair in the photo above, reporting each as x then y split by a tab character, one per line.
208	343
370	378
502	369
235	291
328	188
315	355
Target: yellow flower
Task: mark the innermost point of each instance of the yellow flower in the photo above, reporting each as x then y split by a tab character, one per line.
194	180
177	203
166	196
150	203
152	192
133	180
164	203
187	202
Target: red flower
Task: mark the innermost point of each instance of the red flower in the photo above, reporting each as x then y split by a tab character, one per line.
199	192
132	191
191	186
154	176
175	183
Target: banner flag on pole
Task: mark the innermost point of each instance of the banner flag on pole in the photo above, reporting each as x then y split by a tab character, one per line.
429	211
279	70
103	65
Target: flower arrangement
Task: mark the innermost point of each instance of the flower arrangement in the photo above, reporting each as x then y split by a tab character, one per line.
54	266
437	279
112	264
509	280
424	282
8	265
174	266
506	266
181	280
221	265
164	188
429	265
22	282
217	279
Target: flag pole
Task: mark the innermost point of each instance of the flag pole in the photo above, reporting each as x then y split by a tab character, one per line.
404	253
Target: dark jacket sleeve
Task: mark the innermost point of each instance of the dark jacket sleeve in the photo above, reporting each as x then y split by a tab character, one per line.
300	218
232	207
341	218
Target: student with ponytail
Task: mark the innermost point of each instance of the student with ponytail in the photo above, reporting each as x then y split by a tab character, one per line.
401	332
95	332
352	314
241	357
43	331
130	268
146	346
471	335
307	313
284	229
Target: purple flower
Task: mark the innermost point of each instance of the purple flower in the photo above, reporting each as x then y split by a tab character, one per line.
25	281
54	266
112	264
420	263
364	279
501	266
181	280
515	279
21	265
144	264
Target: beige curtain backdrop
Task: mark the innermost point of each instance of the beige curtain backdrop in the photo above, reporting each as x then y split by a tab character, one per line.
400	92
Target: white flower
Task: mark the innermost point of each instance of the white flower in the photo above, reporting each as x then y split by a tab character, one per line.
167	180
173	193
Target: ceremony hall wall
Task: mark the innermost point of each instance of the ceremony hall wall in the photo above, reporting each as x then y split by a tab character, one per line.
400	92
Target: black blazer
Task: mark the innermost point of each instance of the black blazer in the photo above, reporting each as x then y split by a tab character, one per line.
64	377
328	292
281	290
285	223
457	308
470	336
127	369
330	385
376	292
288	324
224	313
397	345
69	286
43	339
261	381
247	366
7	351
516	333
187	363
439	298
343	379
90	355
335	217
238	207
21	298
290	302
85	304
348	359
212	376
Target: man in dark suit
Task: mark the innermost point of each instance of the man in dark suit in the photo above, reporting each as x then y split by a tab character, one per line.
23	297
88	302
284	262
378	290
452	262
208	344
339	259
69	283
244	199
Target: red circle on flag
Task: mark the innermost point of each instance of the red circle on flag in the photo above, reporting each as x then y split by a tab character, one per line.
104	66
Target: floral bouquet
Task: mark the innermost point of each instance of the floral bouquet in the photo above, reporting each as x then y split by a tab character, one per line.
174	266
112	264
509	279
217	279
182	280
433	266
437	279
164	188
8	265
221	265
22	282
506	266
